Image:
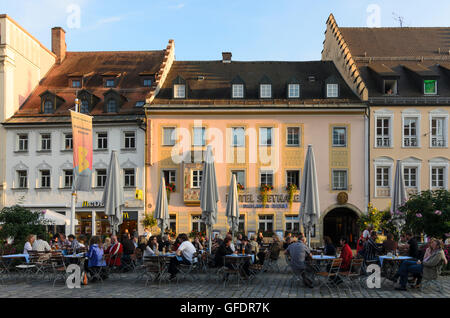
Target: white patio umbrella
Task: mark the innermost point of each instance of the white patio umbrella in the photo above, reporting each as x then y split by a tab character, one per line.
56	218
209	193
232	211
113	194
399	196
309	195
162	207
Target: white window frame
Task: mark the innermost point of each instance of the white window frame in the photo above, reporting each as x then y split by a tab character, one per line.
199	178
236	171
384	114
332	90
332	136
237	90
103	138
265	90
64	139
411	114
267	172
172	175
203	142
383	162
299	176
262	218
291	219
97	176
129	138
435	114
179	91
197	219
49	179
133	176
293	90
173	136
238	144
299	136
439	162
19	142
394	92
271	136
413	162
333	185
26	178
49	141
65	175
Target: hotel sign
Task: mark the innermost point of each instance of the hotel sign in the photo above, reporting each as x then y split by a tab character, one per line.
274	201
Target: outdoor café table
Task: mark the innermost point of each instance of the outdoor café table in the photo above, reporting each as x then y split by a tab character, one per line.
244	256
321	261
242	259
26	256
392	263
78	257
164	260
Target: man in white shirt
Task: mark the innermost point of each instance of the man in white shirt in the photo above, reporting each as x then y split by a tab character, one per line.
185	255
366	233
41	246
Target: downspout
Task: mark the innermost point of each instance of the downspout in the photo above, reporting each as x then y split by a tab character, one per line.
367	154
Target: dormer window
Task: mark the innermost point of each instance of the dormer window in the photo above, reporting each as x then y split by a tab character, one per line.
111	106
147	82
48	107
84	107
76	83
179	91
390	87
430	87
238	90
294	91
140	103
332	90
110	83
265	91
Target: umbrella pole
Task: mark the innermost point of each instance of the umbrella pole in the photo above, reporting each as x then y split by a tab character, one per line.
210	238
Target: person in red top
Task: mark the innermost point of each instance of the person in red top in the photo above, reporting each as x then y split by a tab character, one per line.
346	255
114	251
360	244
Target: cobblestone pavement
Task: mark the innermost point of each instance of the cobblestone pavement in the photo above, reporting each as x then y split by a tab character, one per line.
270	285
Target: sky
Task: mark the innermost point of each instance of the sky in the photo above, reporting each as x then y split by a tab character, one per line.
284	30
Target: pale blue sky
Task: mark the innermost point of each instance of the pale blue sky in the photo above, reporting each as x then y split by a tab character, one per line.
202	29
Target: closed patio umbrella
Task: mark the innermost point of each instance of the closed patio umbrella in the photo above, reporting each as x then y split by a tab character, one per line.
232	211
162	207
309	195
399	196
113	194
209	194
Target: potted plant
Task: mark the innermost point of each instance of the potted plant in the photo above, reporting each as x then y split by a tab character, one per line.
291	189
149	221
170	188
265	190
240	187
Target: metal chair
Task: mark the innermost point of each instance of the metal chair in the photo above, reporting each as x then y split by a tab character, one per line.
59	267
329	277
433	283
233	266
353	274
186	271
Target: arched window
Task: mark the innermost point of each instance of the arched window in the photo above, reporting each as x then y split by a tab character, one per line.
84	106
111	106
48	107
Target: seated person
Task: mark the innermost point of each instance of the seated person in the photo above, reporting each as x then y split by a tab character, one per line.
413	248
371	249
222	250
298	251
128	249
274	250
198	246
346	255
330	249
40	245
254	247
95	257
74	244
390	246
185	254
114	251
245	245
29	244
430	267
165	243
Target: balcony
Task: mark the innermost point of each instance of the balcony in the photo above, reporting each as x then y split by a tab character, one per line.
437	141
383	142
410	142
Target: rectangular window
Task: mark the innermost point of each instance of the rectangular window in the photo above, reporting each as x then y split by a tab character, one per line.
68	142
410	132
130	180
179	91
238	136
199	136
130	139
240	176
339	137
293	136
437	177
46	142
292	223
23	142
45	178
147	82
265	136
332	90
168	136
339	179
266	223
430	87
410	177
22	178
293	177
68	178
382	130
110	83
382	177
265	90
238	90
241	226
101	177
390	87
294	90
197	224
437	132
196	179
102	140
169	176
76	83
173	222
266	177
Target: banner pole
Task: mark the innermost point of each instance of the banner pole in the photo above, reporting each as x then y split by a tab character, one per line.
74	192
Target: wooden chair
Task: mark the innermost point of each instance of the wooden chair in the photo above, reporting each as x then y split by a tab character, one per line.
59	267
186	271
329	277
434	282
353	274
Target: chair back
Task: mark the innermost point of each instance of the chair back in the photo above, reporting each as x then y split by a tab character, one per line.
335	266
356	265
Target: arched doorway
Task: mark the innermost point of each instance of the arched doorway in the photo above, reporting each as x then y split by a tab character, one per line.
341	222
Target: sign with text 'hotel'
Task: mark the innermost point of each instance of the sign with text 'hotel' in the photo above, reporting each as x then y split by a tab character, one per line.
82	150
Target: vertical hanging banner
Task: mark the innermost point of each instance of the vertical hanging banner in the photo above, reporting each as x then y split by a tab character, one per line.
82	150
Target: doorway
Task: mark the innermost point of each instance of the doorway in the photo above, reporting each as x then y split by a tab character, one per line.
341	222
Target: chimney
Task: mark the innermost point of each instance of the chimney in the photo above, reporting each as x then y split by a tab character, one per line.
226	57
59	46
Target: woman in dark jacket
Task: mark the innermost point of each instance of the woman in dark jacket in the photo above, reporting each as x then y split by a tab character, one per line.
330	249
222	250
